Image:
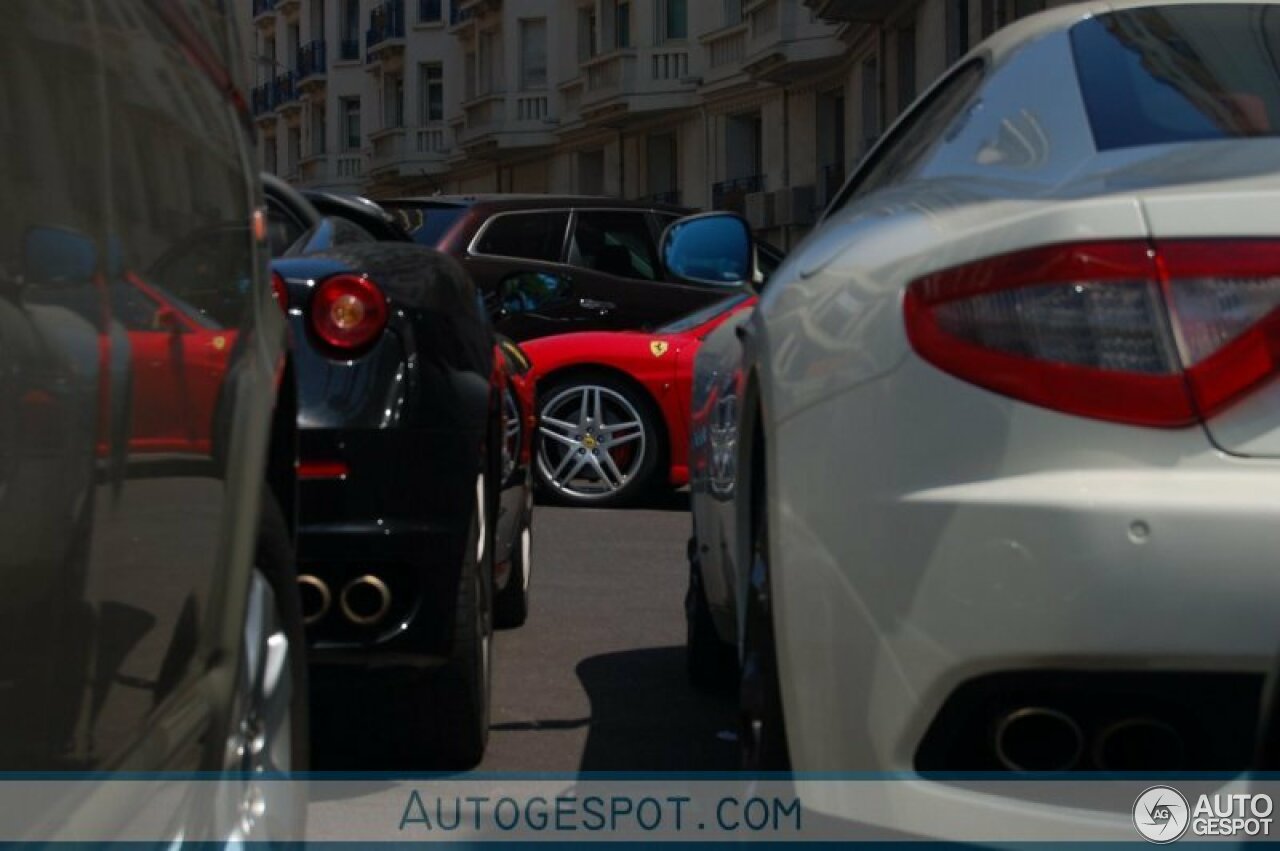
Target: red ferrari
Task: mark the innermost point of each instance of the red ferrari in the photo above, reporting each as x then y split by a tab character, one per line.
614	407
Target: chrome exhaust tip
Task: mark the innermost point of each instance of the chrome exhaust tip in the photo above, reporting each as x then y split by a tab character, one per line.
315	596
1035	738
1140	744
365	601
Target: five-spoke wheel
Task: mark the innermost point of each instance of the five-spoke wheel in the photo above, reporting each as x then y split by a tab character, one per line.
599	444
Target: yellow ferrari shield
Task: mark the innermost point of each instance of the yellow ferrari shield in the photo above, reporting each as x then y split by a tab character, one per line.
659	348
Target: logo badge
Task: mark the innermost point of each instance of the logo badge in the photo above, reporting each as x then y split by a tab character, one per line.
1161	815
659	348
219	343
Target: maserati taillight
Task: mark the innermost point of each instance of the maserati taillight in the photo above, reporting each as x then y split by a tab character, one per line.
348	313
1132	332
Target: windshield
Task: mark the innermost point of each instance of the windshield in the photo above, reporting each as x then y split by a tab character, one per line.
1180	74
426	223
700	317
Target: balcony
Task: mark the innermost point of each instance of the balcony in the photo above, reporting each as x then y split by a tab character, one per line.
726	48
350	166
732	194
497	123
385	36
264	12
632	84
853	11
289	8
404	152
313	65
785	44
260	101
284	92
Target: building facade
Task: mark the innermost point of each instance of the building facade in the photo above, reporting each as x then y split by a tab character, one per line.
762	106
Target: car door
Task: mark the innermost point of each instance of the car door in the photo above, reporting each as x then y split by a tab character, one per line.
523	241
613	257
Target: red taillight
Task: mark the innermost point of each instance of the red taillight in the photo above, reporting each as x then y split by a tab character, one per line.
348	313
1121	331
280	291
313	470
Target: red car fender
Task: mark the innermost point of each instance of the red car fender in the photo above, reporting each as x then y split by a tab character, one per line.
661	364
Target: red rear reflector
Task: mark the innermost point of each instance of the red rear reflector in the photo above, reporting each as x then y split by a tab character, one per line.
1120	331
323	470
348	313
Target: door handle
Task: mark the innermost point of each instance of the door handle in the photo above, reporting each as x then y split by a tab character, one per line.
592	304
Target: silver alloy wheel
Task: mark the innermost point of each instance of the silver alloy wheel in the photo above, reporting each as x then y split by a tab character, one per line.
261	732
593	442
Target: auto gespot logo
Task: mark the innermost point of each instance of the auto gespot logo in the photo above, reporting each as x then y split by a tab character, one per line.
1162	815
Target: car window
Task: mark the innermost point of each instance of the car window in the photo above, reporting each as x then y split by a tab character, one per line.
1180	74
283	230
535	235
614	242
426	223
133	308
912	139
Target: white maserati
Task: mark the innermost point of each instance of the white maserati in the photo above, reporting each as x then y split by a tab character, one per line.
1008	431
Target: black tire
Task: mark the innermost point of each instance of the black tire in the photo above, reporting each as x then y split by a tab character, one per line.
274	559
762	735
511	604
647	473
454	721
711	663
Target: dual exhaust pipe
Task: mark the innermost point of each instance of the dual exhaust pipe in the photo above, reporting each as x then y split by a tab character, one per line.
1036	738
364	601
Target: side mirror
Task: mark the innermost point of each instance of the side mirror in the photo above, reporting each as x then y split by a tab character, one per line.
53	255
529	292
712	248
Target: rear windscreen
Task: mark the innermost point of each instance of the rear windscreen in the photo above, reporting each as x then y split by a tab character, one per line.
426	223
1180	74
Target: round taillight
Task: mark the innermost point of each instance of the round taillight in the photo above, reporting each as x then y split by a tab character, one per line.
280	291
348	313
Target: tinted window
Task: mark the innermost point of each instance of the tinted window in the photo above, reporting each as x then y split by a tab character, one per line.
283	230
529	236
917	134
426	223
614	242
1180	74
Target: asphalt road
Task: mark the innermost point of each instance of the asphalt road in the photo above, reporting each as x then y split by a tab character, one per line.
595	680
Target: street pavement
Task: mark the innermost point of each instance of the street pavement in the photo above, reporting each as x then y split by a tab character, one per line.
595	680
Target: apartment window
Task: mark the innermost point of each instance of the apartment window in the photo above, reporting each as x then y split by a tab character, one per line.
870	103
350	123
992	16
317	129
294	151
294	41
269	160
533	53
830	138
957	29
430	11
490	67
673	20
430	93
614	243
591	172
392	100
317	20
350	31
733	12
662	165
622	24
587	34
906	66
744	157
469	78
529	236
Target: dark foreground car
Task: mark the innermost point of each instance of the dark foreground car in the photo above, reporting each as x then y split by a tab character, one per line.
603	252
143	600
415	508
